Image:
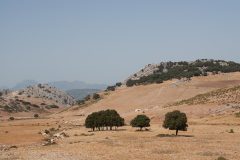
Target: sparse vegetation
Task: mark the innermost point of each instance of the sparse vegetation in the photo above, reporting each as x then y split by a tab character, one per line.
11	118
221	158
119	84
35	115
237	114
104	120
175	120
140	121
87	98
96	96
178	70
111	88
226	95
81	102
231	131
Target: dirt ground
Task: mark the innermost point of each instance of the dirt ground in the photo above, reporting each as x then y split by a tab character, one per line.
208	136
200	142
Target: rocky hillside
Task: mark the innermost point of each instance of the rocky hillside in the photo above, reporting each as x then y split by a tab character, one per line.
40	98
157	73
48	92
220	96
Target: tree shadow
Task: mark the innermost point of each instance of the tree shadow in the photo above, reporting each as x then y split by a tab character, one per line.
117	130
173	135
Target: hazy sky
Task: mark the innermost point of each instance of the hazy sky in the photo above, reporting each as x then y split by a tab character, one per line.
101	41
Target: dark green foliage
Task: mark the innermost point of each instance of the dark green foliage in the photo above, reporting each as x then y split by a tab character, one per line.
140	121
8	108
187	70
104	119
175	120
119	84
52	106
1	94
111	88
11	118
36	115
96	96
87	98
81	102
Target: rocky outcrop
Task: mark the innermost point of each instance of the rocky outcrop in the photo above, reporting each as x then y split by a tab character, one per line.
46	91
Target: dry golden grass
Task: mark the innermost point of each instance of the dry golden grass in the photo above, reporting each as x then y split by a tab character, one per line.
208	137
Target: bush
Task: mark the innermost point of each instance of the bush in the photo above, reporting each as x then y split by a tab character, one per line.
119	84
96	96
80	102
87	98
140	121
11	118
237	114
36	115
104	119
111	88
221	158
175	120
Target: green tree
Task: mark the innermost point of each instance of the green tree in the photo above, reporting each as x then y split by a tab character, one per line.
175	120
96	96
104	119
140	121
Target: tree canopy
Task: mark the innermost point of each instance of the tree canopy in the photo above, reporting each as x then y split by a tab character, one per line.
140	121
104	119
175	120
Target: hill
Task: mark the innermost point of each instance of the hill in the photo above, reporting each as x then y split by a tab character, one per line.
38	99
157	73
151	99
220	96
79	94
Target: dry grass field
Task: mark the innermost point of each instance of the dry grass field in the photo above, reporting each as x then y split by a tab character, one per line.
200	142
208	137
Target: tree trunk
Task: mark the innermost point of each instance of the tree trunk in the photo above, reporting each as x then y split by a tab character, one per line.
176	132
140	128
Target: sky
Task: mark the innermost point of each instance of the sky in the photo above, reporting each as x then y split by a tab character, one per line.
106	41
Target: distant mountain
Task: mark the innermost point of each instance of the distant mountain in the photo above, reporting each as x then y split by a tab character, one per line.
24	84
79	94
63	85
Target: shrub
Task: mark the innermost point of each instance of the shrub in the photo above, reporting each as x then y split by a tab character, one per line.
237	114
119	84
1	94
221	158
11	118
87	98
140	121
111	88
104	119
96	96
175	120
80	102
36	115
231	131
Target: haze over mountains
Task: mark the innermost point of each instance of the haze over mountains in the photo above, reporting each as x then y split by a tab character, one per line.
63	85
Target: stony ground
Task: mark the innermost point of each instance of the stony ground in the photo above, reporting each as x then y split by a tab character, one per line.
200	142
